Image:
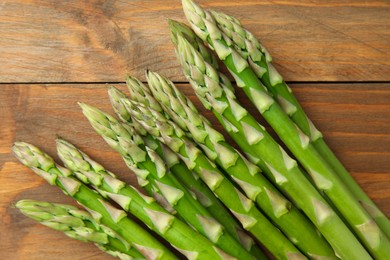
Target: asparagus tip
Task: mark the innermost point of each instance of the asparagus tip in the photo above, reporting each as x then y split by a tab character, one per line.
113	89
171	22
22	203
31	156
63	146
85	108
115	94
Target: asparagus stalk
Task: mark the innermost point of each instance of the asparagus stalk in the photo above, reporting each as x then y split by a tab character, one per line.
299	144
77	224
261	63
179	169
147	165
266	153
243	208
247	175
177	233
115	220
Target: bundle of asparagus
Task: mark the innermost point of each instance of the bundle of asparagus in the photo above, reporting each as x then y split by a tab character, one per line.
207	199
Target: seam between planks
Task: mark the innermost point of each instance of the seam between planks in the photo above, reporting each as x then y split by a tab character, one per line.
186	82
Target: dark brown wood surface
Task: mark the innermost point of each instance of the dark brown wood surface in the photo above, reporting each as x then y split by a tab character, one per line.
336	54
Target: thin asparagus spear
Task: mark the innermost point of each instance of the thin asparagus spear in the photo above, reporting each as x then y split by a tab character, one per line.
260	61
181	171
177	233
299	144
266	153
77	224
101	210
247	175
151	168
243	208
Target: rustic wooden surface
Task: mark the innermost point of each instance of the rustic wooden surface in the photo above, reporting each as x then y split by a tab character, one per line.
324	49
100	41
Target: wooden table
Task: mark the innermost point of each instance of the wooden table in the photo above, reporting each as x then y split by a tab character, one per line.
335	55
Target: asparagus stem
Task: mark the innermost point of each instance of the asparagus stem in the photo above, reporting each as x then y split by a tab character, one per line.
180	170
243	208
177	233
77	224
299	144
380	218
247	175
147	165
260	61
266	153
102	211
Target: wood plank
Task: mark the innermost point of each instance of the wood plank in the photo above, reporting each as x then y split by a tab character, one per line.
353	117
101	41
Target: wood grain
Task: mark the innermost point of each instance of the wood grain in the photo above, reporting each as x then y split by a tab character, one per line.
353	117
102	41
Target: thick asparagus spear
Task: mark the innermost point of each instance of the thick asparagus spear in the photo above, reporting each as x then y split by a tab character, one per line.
180	170
243	208
247	175
177	233
101	210
77	224
260	61
151	168
265	152
299	144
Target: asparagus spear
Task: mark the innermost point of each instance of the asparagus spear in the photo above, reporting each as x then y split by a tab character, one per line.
177	233
247	175
299	144
261	63
243	208
150	167
179	169
266	153
77	224
102	211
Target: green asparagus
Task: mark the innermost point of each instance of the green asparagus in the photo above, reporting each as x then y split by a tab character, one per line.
115	220
265	152
147	165
261	63
245	174
77	224
299	144
180	170
177	233
243	208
